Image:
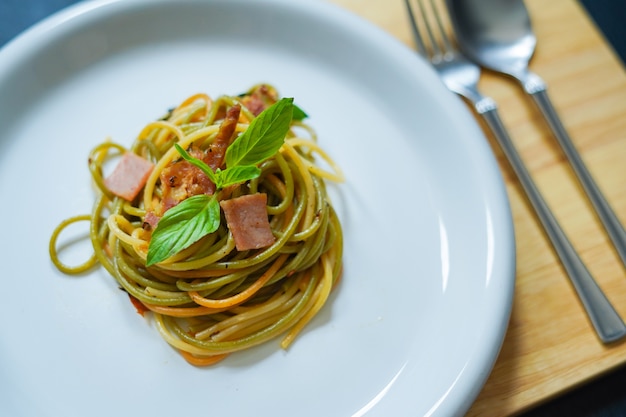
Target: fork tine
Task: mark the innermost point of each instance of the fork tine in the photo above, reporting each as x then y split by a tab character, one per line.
434	45
417	36
445	39
434	32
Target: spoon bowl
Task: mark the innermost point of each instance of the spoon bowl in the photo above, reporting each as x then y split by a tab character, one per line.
495	34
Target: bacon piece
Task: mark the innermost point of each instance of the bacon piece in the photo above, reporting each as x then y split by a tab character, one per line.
217	149
259	99
181	179
129	176
247	220
150	221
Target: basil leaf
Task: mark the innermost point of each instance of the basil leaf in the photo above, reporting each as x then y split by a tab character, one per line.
235	175
183	225
299	114
264	137
197	162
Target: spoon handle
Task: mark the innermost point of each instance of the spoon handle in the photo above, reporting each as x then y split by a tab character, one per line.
607	322
536	88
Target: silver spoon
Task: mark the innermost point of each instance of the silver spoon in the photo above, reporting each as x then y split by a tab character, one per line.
497	35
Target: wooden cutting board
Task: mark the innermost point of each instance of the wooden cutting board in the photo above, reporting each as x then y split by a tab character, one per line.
550	346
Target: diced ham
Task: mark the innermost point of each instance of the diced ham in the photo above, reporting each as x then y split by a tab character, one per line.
129	176
247	220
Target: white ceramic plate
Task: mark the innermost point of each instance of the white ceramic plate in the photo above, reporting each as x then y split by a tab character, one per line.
419	318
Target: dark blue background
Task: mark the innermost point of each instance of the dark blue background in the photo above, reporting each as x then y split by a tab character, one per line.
605	397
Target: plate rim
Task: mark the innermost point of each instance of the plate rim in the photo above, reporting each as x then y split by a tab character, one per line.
58	21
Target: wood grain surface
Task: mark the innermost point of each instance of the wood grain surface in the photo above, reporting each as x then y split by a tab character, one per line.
550	346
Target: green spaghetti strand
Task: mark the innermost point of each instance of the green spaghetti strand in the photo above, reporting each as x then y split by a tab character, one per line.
54	255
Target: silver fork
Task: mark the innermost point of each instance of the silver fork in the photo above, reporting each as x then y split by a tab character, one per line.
461	77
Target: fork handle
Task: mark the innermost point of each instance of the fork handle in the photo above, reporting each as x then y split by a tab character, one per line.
536	88
607	322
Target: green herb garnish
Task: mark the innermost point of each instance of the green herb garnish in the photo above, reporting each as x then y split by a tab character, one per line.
197	216
299	114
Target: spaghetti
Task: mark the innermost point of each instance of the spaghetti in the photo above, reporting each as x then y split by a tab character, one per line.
215	295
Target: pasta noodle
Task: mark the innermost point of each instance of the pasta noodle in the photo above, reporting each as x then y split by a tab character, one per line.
209	298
